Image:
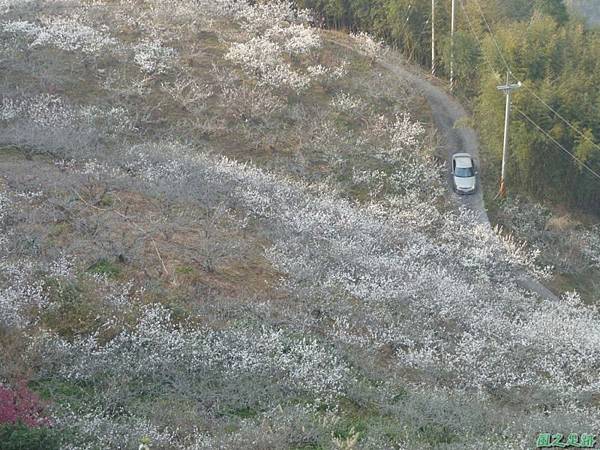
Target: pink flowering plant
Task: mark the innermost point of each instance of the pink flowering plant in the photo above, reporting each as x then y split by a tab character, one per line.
20	404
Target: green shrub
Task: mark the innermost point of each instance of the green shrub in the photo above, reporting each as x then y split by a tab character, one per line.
436	434
63	391
74	312
105	267
20	437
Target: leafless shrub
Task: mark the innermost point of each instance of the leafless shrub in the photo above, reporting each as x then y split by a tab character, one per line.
188	93
244	102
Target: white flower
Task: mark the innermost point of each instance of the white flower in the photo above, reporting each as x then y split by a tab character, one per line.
370	47
347	103
152	57
277	30
590	245
65	33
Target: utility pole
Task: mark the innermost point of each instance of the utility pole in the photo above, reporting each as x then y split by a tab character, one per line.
507	89
433	38
452	46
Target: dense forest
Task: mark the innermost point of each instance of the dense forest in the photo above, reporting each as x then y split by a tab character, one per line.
550	50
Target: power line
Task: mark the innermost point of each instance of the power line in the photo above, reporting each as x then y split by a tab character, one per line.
539	128
462	5
561	117
558	144
493	37
528	89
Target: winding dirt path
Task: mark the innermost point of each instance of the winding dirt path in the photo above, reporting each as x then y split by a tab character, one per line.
446	112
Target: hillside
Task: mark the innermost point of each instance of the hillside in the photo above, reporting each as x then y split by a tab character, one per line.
222	227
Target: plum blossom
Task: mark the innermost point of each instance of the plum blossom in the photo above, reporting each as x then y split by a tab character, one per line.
153	57
262	58
295	39
319	72
406	134
156	344
277	31
19	292
52	111
372	48
65	33
44	110
347	103
7	5
590	246
20	404
326	245
100	428
400	275
262	16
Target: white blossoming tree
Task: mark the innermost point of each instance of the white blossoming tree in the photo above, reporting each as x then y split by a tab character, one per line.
372	48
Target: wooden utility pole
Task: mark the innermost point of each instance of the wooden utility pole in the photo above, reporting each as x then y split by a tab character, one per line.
452	45
433	38
507	89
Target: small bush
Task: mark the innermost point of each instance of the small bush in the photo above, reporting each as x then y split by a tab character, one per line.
62	392
73	310
20	437
436	434
20	405
105	267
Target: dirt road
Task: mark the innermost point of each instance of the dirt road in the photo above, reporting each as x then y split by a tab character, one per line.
446	112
